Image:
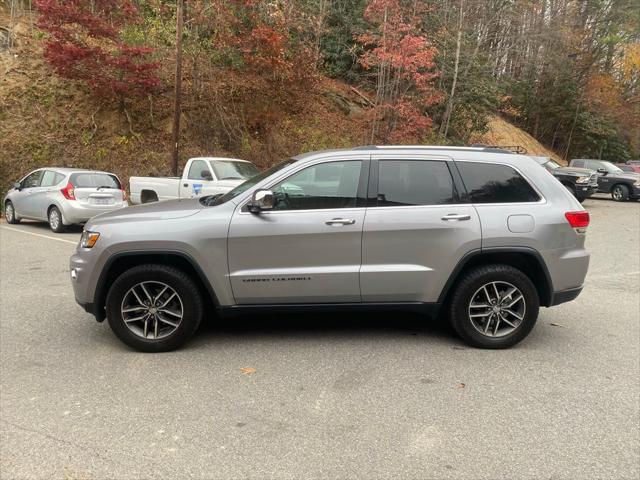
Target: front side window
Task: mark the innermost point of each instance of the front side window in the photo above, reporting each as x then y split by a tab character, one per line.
196	169
494	183
322	186
414	182
33	179
231	170
578	163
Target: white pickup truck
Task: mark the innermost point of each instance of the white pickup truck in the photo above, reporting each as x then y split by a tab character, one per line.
201	176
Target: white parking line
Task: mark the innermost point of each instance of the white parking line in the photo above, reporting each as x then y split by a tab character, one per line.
39	235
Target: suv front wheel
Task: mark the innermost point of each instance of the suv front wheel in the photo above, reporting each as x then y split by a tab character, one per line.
494	306
154	308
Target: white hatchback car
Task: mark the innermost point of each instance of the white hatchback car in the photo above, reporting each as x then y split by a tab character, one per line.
63	196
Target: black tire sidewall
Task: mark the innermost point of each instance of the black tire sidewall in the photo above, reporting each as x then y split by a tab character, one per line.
14	218
187	290
470	283
60	224
625	193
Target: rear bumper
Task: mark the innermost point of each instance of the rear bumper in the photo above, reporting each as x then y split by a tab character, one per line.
564	296
74	212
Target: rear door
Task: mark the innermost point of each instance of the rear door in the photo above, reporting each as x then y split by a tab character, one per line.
417	228
24	201
97	189
308	249
42	196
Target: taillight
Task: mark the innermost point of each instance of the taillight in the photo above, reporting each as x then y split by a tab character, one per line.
69	192
124	195
578	219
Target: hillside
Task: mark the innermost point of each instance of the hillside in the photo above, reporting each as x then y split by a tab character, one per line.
46	120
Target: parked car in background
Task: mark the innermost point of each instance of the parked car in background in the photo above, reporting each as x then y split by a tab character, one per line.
63	196
621	185
630	166
581	182
486	237
201	176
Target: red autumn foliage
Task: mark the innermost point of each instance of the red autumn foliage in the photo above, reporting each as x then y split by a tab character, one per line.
85	44
404	63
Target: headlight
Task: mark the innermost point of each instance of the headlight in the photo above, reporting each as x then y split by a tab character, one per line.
582	180
89	239
637	183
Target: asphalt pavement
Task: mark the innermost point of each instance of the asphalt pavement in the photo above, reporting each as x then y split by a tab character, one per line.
311	396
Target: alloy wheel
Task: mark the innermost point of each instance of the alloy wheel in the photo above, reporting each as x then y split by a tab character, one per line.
54	219
497	309
9	212
617	193
152	310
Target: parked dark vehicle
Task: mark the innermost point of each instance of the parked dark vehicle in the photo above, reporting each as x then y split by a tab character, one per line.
621	185
581	182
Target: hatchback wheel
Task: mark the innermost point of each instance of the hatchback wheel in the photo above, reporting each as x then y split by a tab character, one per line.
494	306
620	193
55	220
10	213
154	308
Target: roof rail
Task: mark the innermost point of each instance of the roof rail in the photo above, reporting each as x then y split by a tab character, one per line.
477	148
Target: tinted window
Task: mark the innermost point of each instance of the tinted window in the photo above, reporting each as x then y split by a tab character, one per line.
491	183
196	168
49	179
94	180
233	170
327	185
414	182
33	179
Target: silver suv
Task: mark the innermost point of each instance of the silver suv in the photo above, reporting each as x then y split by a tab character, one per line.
484	236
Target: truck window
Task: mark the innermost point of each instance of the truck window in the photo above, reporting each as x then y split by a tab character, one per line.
230	170
196	168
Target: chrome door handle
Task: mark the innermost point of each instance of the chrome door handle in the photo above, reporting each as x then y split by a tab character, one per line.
456	216
340	221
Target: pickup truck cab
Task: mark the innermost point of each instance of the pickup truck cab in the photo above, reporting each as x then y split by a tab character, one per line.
621	185
581	182
201	176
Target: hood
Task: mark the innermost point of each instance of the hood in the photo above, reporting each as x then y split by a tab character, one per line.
165	210
583	172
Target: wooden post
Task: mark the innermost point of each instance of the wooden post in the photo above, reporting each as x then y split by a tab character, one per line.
178	87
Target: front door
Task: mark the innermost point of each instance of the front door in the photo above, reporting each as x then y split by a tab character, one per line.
417	229
25	201
197	179
308	248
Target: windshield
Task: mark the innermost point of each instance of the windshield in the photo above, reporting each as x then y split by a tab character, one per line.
243	187
551	165
230	170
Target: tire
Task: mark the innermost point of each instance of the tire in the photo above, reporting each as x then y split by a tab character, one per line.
620	193
10	213
55	220
143	335
148	196
470	288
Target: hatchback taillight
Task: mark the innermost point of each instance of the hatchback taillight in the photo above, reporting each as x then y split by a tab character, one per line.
578	219
69	192
124	195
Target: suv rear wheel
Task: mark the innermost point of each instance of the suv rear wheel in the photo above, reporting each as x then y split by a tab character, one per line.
494	306
154	308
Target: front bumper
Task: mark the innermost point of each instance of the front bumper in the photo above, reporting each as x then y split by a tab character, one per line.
585	191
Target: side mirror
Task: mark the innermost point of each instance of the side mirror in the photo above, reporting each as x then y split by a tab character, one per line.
206	175
602	170
262	200
17	186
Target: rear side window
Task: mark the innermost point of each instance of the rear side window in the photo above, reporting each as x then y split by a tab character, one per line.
94	180
49	179
493	183
414	182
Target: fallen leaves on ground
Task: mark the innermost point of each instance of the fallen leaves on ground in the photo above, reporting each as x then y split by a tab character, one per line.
248	370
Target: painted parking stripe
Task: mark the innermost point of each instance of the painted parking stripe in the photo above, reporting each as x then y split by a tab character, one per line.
39	235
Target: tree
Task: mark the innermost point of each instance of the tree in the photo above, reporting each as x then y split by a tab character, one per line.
403	61
85	43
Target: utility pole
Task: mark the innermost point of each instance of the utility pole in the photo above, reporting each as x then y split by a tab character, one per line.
178	86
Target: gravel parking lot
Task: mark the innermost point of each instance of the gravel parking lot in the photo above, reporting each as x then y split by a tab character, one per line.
388	396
